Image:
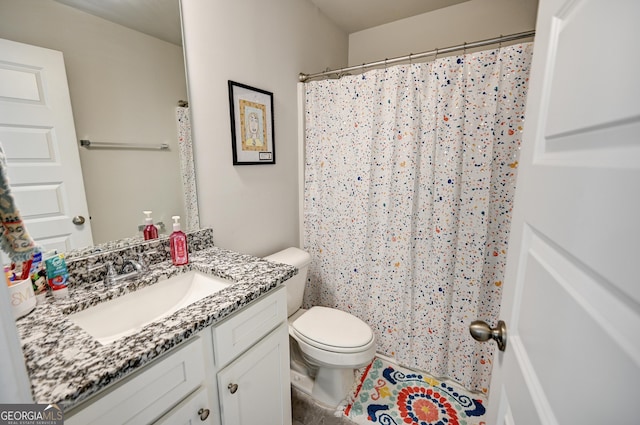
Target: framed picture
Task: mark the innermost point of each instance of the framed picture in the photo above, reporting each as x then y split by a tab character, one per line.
251	125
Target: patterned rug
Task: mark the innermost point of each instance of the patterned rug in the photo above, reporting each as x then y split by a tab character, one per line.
391	395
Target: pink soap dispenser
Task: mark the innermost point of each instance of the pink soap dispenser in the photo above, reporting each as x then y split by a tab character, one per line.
150	231
178	244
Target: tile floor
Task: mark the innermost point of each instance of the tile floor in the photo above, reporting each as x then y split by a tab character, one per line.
305	411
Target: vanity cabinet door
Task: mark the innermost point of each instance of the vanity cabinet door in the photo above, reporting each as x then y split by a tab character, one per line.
255	388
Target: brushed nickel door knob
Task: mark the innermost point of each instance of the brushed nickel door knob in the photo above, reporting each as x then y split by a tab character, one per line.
481	331
78	220
233	388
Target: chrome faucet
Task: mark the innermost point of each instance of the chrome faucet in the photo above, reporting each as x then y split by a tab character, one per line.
125	273
114	277
130	269
137	266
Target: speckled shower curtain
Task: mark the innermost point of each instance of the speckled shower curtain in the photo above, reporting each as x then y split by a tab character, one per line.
187	169
409	181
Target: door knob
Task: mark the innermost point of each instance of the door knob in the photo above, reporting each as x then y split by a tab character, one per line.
480	331
78	220
233	388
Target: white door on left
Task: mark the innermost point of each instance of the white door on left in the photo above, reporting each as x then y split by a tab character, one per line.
38	136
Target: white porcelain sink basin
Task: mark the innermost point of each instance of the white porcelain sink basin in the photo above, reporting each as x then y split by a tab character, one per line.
125	315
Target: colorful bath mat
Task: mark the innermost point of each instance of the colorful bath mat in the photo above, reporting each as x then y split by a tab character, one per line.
390	395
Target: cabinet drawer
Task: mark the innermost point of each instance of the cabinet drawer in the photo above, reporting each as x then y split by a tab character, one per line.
145	396
193	410
243	329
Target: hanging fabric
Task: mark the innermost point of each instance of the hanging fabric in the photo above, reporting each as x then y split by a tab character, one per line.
14	237
409	180
187	169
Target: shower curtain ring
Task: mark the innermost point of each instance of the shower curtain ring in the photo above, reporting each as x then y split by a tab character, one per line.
436	56
410	57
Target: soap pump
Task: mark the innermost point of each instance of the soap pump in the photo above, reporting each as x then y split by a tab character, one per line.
150	231
178	244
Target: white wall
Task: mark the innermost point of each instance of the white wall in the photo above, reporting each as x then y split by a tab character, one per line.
462	23
124	87
265	44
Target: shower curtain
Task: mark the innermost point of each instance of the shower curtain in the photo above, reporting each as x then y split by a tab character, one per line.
409	180
187	169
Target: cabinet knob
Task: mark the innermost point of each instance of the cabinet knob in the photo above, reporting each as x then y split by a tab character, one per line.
204	414
233	388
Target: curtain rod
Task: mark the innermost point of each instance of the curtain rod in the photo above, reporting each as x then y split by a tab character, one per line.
302	77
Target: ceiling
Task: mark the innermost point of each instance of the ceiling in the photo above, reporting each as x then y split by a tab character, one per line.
357	15
157	18
161	18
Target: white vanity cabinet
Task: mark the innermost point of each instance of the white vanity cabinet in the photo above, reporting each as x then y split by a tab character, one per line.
253	377
236	372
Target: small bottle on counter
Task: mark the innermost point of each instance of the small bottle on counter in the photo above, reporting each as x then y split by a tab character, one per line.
150	230
57	275
178	244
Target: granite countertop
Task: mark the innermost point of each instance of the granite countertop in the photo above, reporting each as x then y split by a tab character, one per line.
66	365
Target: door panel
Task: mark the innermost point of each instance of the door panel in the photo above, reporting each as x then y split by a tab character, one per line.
588	326
571	298
32	144
583	43
20	84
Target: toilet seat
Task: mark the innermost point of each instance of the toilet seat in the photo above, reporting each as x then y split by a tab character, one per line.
333	330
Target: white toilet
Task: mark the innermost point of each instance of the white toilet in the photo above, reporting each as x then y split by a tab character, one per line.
327	344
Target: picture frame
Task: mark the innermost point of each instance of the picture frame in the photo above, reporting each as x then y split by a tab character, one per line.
252	135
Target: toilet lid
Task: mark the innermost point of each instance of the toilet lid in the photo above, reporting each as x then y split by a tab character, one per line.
333	328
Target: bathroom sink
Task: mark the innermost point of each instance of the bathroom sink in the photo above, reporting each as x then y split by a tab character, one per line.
128	314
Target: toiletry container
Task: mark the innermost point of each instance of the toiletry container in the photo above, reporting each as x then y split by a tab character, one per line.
150	230
57	275
178	244
22	298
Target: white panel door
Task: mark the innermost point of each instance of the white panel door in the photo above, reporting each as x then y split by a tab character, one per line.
572	292
39	139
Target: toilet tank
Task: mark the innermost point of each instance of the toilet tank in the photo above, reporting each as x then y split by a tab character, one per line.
295	285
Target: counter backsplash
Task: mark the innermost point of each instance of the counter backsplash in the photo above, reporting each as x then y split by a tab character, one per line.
154	251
